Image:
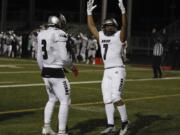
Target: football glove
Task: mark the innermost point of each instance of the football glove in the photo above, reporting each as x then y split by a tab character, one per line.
90	7
121	6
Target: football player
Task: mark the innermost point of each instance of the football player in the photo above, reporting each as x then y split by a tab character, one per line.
52	57
84	41
92	47
111	41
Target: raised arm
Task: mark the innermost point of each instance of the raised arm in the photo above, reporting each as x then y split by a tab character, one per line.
124	21
90	20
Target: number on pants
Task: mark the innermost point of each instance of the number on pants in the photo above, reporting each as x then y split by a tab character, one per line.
66	88
45	55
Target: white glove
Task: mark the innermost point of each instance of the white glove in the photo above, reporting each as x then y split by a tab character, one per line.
121	6
90	7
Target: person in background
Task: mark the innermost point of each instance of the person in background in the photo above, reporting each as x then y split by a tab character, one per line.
83	51
92	47
157	58
71	48
77	48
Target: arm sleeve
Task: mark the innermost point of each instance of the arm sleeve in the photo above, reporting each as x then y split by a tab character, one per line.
64	55
39	57
62	49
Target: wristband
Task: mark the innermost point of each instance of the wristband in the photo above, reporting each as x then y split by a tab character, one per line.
89	12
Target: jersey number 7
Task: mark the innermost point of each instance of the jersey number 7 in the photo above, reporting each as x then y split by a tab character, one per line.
105	46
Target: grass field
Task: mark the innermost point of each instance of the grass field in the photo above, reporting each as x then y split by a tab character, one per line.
153	105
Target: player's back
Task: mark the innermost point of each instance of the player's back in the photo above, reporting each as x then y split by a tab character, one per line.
51	43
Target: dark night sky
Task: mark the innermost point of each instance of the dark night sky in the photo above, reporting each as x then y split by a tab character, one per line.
144	12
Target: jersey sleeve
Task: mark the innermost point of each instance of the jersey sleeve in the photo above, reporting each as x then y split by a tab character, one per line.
39	56
61	40
60	36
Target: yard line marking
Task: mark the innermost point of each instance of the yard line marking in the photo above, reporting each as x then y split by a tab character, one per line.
153	97
42	84
129	68
19	60
9	66
37	71
86	82
89	108
19	72
31	64
21	85
21	111
152	79
87	88
90	103
6	82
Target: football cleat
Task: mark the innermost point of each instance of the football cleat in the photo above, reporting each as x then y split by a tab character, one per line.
48	131
109	129
124	128
63	132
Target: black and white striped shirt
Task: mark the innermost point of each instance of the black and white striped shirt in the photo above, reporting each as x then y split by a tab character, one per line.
158	49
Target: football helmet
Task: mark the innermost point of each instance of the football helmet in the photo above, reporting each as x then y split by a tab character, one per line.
58	21
109	22
62	19
53	20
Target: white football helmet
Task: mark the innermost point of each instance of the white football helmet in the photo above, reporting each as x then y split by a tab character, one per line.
111	22
57	21
53	20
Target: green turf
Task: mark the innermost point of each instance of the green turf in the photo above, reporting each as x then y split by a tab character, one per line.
153	105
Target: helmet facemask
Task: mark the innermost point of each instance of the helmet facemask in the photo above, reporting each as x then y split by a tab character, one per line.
62	20
109	27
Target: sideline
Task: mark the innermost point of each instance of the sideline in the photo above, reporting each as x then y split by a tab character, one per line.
87	82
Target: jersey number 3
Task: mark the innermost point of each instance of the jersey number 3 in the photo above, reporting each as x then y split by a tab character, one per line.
45	55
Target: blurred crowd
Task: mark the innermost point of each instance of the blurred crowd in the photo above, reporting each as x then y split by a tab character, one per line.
81	48
10	44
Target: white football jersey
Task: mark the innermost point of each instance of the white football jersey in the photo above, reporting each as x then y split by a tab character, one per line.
84	44
111	49
52	50
92	44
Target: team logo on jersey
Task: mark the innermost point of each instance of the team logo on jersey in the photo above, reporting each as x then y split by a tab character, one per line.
105	41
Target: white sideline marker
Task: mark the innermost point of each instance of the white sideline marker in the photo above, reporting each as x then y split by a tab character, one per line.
86	82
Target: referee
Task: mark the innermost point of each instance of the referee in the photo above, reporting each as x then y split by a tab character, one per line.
157	56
